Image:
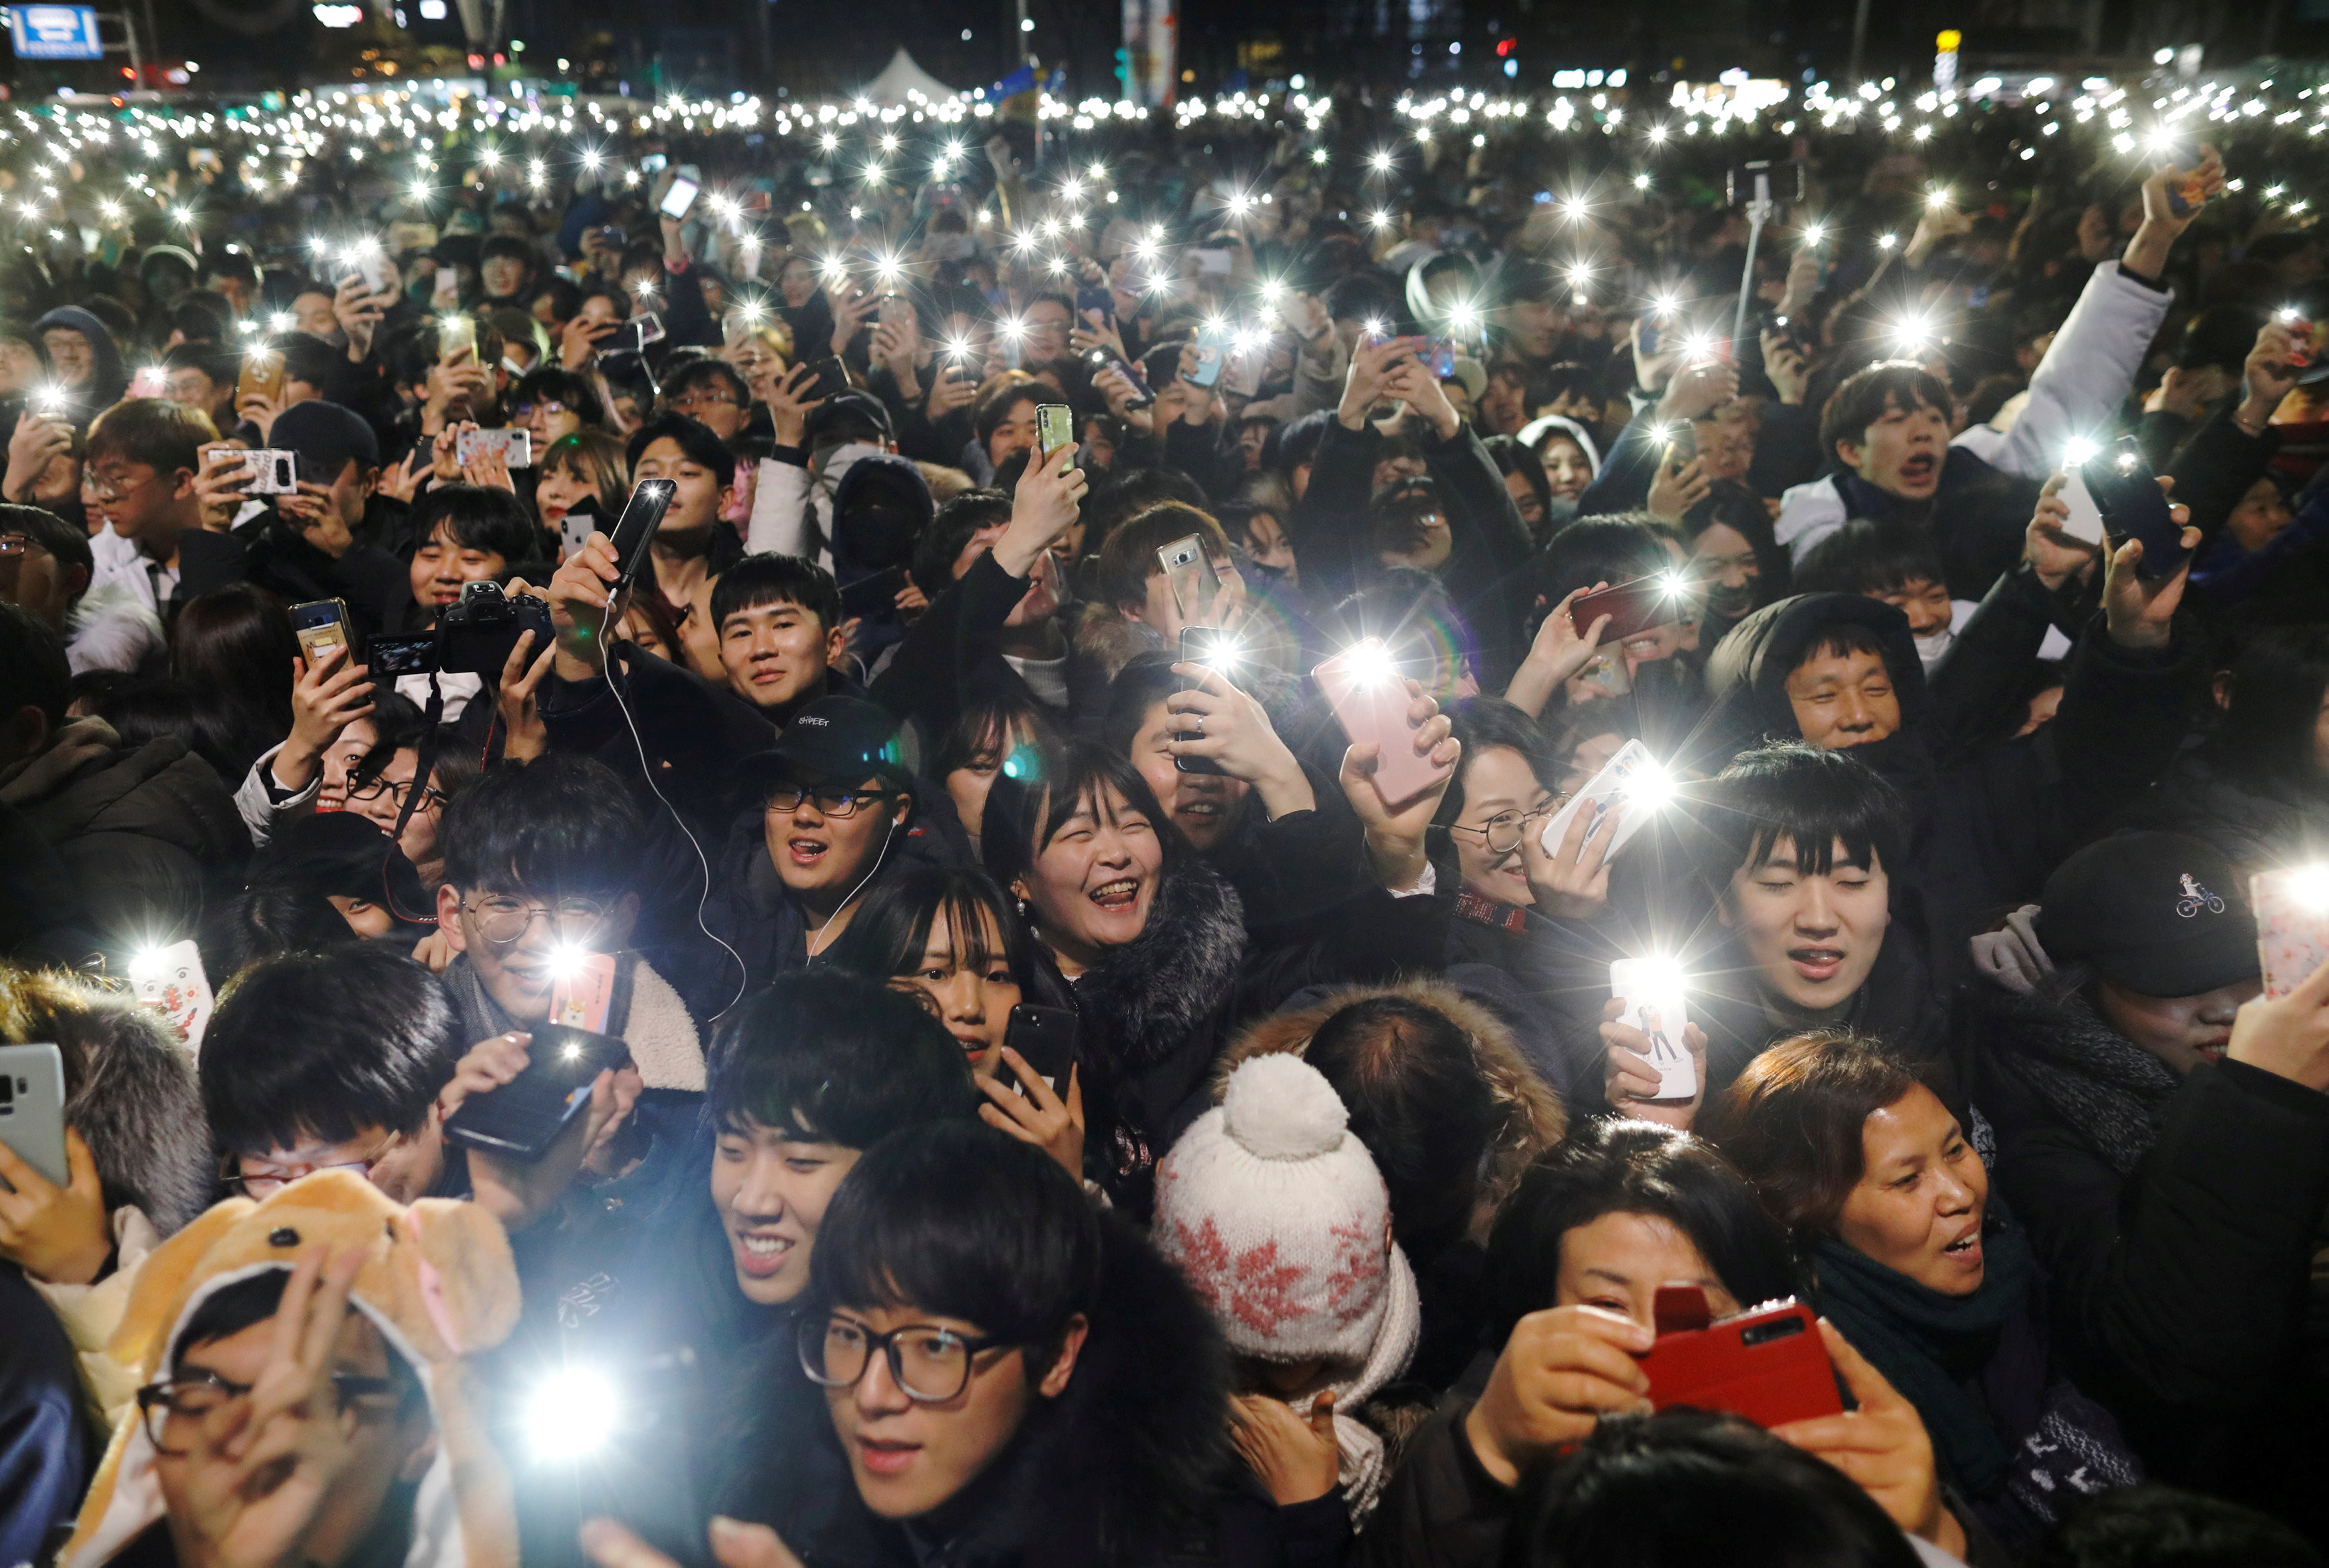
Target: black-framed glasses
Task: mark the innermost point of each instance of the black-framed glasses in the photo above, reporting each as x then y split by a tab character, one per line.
502	920
528	410
371	788
929	1364
829	802
1503	831
172	1407
697	398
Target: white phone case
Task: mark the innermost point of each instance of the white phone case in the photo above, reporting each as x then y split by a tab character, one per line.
1608	788
2086	522
1651	990
171	981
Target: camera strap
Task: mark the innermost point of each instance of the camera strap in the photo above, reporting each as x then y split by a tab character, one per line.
425	762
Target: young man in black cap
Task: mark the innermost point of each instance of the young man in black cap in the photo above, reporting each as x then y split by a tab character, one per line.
315	544
2163	1134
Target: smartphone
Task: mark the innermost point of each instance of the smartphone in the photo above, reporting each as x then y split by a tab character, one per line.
456	337
448	281
1363	687
1242	368
322	625
171	981
521	1119
1439	356
1216	649
262	373
828	378
1211	258
2086	522
153	382
1632	779
2292	917
872	595
1046	1037
1195	582
2120	480
515	446
678	201
1768	1364
1055	427
1651	989
1632	607
33	1109
370	263
1647	339
635	530
582	994
583	520
1109	359
1090	297
274	471
1212	344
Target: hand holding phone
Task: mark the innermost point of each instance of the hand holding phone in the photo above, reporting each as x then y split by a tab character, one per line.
1632	607
1370	699
635	530
680	199
1769	1364
1650	990
2133	506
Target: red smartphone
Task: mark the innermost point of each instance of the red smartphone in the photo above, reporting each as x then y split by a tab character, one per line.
1632	607
1769	1364
1364	686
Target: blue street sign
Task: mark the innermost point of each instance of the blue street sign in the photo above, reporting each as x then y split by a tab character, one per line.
55	33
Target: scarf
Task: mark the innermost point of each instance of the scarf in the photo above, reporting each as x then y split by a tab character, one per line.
482	1017
2112	1091
1362	1463
1930	1345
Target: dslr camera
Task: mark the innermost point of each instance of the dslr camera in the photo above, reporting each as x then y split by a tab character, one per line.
474	637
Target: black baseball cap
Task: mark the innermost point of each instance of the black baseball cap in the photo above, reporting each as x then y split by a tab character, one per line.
854	402
2159	914
838	739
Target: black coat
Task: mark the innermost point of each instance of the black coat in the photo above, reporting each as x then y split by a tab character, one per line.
2176	1222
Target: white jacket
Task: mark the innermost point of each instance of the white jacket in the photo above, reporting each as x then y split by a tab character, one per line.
792	509
2077	390
111	628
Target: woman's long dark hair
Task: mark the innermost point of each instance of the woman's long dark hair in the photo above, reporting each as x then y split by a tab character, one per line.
2266	733
885	938
1024	814
232	649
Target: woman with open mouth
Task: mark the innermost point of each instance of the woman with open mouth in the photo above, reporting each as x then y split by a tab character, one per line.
1153	949
1923	1270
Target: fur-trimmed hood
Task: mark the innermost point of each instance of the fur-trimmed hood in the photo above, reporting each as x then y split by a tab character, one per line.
1533	1117
1101	635
1125	1466
1151	994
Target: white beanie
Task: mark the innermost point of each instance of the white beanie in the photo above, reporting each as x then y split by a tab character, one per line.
1279	1216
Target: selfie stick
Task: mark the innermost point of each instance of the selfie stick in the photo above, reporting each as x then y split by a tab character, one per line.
1759	212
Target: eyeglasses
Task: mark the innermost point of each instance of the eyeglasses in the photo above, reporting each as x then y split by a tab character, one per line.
929	1364
169	1408
268	1185
395	789
112	487
501	921
528	410
694	399
830	802
1503	832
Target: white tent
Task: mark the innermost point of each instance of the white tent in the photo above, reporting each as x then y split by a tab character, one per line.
902	79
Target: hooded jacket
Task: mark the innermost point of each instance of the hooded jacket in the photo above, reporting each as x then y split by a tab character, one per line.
1984	827
141	831
108	381
1123	1467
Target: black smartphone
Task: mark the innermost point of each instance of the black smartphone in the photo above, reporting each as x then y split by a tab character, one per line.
1109	359
635	530
1216	649
828	379
1046	1038
871	595
1095	296
2129	496
522	1118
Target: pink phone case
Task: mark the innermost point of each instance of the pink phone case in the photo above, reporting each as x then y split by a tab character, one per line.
579	999
2292	918
1370	699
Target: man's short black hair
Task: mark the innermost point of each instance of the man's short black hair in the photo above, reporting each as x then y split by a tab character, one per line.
307	358
700	372
962	1220
511	246
327	1046
34	669
771	578
50	532
941	543
1865	396
696	443
220	365
1868	557
1363	297
558	825
480	517
232	262
1813	797
836	1058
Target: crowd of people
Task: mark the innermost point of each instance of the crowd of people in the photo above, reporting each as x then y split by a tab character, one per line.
1080	861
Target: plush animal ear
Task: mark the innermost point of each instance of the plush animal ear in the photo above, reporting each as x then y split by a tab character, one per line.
163	1281
469	1281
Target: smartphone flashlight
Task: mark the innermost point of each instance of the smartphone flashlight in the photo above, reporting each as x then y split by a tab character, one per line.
2311	885
2076	451
1651	785
1372	662
572	1414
